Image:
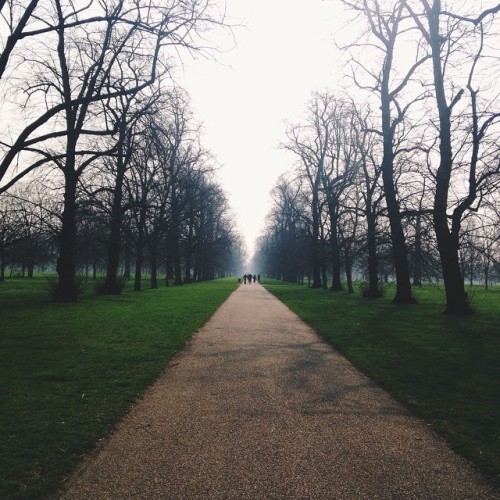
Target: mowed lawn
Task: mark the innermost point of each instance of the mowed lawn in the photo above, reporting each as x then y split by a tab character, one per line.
68	372
444	369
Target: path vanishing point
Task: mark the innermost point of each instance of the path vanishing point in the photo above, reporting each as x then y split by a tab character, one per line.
256	407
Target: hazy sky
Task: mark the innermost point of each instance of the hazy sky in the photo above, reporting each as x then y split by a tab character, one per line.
284	52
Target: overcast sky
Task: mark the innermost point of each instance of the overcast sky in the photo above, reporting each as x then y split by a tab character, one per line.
284	52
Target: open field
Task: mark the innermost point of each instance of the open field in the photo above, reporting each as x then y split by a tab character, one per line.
445	370
69	371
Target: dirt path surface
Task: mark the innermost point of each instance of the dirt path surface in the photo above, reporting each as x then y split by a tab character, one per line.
258	407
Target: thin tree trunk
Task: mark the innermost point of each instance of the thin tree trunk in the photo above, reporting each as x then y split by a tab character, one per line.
373	288
139	252
127	264
67	290
316	257
2	267
417	264
111	286
31	269
138	271
154	268
177	264
335	248
348	272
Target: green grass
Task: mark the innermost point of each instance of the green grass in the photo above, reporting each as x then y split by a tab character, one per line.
444	369
69	372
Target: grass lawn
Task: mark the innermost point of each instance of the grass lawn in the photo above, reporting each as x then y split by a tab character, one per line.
444	369
68	372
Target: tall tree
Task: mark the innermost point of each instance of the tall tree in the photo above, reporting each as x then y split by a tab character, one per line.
125	112
386	24
310	143
448	35
369	189
341	163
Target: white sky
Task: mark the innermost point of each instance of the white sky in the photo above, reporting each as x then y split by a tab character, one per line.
284	52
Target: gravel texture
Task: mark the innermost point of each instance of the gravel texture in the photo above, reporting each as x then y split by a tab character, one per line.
257	406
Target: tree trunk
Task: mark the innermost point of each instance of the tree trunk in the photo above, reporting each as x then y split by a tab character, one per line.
174	242
335	248
456	297
348	272
86	268
67	289
316	267
138	271
139	251
127	264
169	273
448	245
471	269
31	269
177	264
324	275
189	251
316	257
399	250
417	264
373	288
154	267
2	267
111	286
403	285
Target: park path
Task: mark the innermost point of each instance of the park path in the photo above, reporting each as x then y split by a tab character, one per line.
257	406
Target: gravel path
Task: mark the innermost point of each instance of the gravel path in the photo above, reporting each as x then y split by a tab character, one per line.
258	407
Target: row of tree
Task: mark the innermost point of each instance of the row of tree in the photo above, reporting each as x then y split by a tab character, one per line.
101	150
159	206
403	178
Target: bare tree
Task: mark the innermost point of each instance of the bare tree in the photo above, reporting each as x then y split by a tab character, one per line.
310	142
181	139
448	36
370	190
127	113
386	25
341	164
